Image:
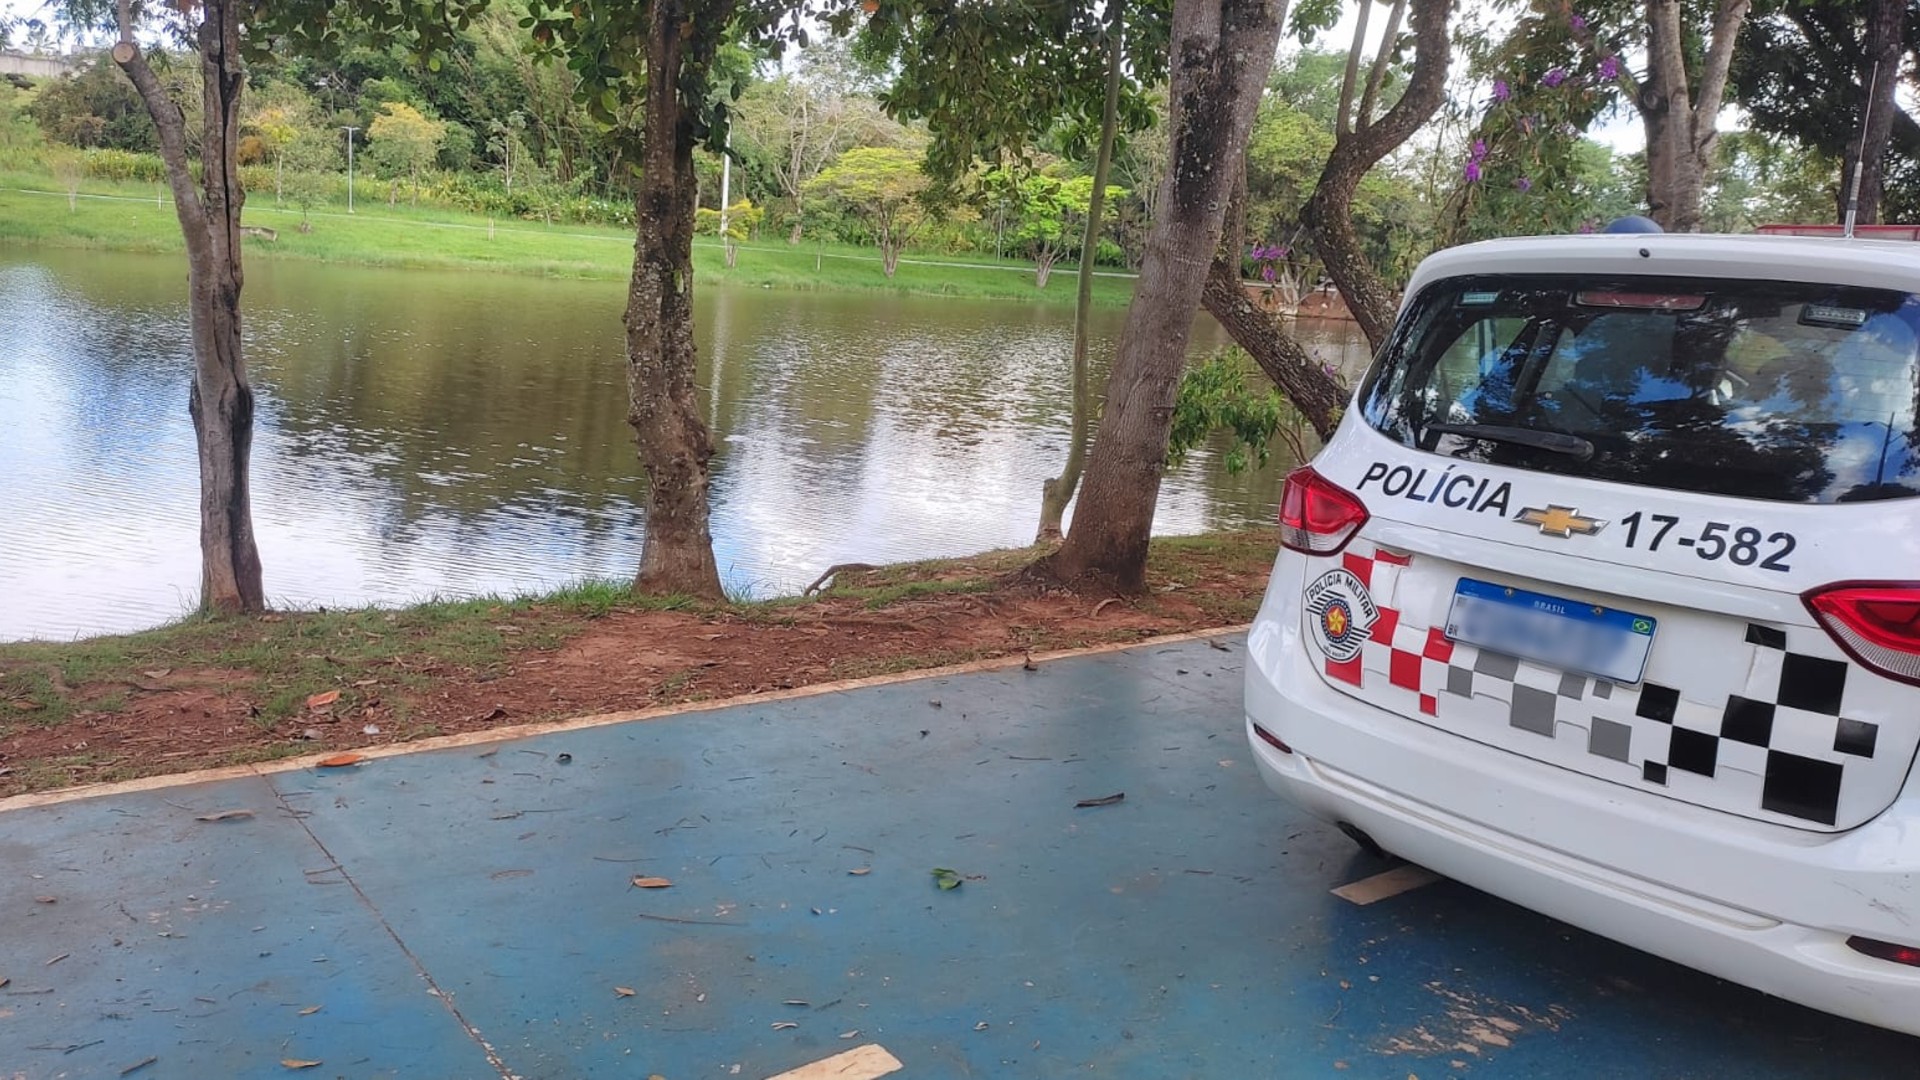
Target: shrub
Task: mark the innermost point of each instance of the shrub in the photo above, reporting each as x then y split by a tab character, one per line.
121	166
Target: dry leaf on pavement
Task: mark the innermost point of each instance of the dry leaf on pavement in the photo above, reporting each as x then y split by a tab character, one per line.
624	991
225	815
1104	800
298	1063
341	761
310	1010
651	883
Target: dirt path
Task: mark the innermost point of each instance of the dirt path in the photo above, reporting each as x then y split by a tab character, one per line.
299	683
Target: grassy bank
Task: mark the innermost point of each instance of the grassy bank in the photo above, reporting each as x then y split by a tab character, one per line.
206	692
131	217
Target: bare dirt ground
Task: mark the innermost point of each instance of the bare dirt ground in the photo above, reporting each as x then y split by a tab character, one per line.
221	693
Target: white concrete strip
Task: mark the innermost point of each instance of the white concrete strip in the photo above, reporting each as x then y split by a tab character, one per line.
527	731
859	1063
1383	885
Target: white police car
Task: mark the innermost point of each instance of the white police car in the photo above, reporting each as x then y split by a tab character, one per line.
1605	598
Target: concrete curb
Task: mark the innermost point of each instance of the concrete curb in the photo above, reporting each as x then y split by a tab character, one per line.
523	731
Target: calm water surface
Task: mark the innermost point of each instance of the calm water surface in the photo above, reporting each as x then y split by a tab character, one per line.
435	434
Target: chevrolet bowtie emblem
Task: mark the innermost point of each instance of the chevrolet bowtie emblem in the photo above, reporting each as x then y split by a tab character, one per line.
1561	521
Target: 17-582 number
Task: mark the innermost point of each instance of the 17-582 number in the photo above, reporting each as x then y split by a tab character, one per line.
1742	545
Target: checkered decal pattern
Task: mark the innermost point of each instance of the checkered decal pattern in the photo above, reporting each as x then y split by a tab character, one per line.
1781	725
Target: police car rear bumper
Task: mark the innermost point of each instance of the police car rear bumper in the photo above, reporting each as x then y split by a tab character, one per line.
1763	905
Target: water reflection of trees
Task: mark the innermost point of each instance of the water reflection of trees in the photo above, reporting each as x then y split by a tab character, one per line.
1755	394
423	431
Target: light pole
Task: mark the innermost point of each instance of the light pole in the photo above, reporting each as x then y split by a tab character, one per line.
349	131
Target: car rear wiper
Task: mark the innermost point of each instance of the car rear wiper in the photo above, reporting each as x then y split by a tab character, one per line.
1554	441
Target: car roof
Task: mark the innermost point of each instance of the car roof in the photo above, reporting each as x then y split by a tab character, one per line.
1889	264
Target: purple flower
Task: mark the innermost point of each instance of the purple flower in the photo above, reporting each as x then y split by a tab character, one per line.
1523	185
1479	149
1501	92
1586	226
1576	21
1554	78
1266	272
1473	172
1609	68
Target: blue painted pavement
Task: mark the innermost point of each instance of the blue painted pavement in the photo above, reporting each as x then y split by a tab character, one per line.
470	912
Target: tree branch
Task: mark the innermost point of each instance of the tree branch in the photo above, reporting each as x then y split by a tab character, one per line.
1284	360
171	124
1713	74
1343	121
1379	73
1328	212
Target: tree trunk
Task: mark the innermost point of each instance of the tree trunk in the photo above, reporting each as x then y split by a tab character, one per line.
1329	211
1221	53
1680	123
889	257
1886	26
675	446
1043	266
1057	492
1284	360
220	400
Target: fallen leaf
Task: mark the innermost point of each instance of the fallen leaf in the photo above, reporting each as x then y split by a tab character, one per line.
1104	800
138	1065
782	1025
158	673
5	979
311	1009
225	815
1212	644
56	959
341	761
854	1034
624	991
46	899
861	871
945	878
651	883
298	1063
794	1001
981	1026
321	701
28	706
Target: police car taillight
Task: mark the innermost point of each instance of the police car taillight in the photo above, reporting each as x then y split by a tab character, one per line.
1318	516
1886	950
1877	623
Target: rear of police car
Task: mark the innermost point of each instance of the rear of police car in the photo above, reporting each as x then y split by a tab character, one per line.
1605	598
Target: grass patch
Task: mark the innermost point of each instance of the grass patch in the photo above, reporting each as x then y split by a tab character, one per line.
126	217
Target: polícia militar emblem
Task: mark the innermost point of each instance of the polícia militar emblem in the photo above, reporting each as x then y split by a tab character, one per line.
1343	613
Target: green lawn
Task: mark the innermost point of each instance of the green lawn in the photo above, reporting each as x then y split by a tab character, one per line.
129	217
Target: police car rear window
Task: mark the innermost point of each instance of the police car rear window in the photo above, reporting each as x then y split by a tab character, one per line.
1754	389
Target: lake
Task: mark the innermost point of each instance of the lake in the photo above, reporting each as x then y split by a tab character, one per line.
438	434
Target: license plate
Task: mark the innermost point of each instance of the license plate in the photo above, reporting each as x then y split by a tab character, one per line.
1561	633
